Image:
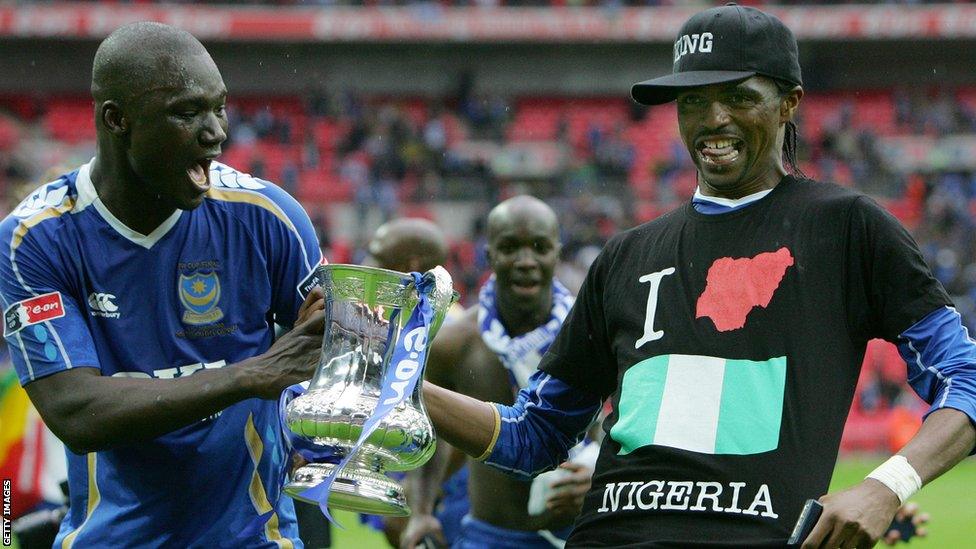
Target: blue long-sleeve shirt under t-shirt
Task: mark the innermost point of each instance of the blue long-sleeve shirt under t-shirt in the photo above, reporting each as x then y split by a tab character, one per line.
550	416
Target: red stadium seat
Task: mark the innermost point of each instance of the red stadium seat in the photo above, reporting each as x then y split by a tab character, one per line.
70	120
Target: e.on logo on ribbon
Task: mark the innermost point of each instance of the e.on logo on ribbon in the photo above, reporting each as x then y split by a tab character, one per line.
31	311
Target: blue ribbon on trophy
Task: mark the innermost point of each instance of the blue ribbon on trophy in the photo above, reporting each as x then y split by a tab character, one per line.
398	384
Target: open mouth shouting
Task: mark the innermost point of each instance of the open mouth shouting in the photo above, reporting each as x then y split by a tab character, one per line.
718	151
199	174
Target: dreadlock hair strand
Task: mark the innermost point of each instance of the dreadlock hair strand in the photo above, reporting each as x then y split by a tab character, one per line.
790	138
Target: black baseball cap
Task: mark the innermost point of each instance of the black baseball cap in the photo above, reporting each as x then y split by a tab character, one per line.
725	44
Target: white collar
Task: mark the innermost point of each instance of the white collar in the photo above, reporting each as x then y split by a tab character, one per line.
731	202
88	196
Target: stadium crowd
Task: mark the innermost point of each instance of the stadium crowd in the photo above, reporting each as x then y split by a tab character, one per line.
620	164
603	164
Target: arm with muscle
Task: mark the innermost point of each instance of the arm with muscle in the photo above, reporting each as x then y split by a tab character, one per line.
861	514
531	436
464	422
91	412
946	437
942	370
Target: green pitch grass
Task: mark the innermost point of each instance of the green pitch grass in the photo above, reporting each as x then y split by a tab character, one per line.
355	536
951	500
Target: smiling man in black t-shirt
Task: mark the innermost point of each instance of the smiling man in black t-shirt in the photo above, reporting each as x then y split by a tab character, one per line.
729	333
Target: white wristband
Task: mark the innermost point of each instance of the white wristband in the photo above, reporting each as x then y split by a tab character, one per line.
898	475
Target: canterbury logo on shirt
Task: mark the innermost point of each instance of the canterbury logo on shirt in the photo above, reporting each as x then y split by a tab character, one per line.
102	304
701	404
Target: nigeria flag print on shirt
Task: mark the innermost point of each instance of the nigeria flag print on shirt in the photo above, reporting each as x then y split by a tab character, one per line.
701	404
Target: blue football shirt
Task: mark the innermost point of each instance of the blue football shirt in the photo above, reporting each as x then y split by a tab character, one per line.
81	290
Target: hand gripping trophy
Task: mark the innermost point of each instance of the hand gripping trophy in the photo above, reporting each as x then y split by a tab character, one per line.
364	404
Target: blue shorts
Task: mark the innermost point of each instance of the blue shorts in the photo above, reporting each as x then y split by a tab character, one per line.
478	534
449	511
454	505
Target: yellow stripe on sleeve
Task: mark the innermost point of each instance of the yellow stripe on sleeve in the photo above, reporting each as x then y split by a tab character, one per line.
30	222
251	197
494	434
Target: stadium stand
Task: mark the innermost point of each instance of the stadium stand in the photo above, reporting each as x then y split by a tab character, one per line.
603	163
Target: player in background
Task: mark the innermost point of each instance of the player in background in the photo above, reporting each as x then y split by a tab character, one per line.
489	354
140	293
730	332
407	244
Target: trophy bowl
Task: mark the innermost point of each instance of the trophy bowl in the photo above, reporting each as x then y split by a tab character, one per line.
366	311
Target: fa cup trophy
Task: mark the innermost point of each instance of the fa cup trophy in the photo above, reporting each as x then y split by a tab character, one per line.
378	326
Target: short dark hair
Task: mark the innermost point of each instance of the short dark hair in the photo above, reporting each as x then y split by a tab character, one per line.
790	139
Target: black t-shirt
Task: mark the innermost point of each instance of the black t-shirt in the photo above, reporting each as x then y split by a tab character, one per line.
731	345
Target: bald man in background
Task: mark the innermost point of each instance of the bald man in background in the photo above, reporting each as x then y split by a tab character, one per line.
408	244
489	353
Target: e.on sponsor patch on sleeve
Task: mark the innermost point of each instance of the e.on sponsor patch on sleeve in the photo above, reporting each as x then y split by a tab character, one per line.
31	311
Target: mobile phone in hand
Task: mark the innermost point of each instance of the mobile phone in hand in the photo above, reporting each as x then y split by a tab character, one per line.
804	525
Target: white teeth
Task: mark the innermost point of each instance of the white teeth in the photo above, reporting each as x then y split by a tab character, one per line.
718	159
718	143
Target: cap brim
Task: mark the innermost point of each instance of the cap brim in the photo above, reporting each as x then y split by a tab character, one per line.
666	88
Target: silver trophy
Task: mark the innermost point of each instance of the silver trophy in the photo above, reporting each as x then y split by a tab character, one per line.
366	309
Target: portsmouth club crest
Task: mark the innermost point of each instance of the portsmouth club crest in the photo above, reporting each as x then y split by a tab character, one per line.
200	294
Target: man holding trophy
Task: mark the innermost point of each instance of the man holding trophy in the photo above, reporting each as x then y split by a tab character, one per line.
140	293
361	414
490	352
